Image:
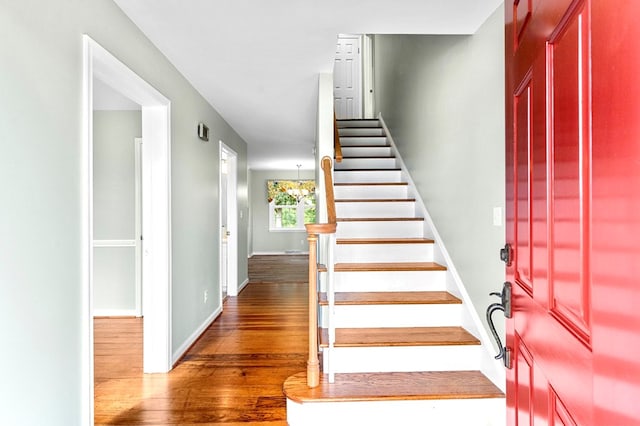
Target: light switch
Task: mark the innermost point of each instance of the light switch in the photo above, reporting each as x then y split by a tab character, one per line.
497	216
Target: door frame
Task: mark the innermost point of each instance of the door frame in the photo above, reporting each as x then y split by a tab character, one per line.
98	63
138	225
232	220
368	76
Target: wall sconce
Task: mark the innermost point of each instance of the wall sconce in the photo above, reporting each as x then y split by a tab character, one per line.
203	132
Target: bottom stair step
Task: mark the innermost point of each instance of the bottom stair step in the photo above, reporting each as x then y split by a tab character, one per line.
426	385
447	398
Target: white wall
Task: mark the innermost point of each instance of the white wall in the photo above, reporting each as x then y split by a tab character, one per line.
263	240
443	99
114	133
41	195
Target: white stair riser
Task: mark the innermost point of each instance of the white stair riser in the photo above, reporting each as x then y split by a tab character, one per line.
438	412
380	229
387	359
390	281
359	253
378	316
367	176
364	192
366	163
342	124
355	131
363	140
368	151
376	209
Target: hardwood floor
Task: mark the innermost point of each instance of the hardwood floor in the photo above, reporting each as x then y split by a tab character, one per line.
232	375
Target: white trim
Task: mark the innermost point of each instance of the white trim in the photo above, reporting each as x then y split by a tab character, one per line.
368	77
114	243
276	253
98	63
232	221
492	368
195	335
138	224
86	249
243	285
115	313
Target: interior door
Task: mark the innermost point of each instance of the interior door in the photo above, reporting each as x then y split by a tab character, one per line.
347	78
573	210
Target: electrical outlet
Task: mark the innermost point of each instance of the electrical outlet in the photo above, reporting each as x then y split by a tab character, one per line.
206	296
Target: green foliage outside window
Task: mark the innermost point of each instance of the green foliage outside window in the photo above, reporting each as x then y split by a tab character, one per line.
286	211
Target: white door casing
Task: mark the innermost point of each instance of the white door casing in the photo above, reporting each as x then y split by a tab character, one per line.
156	209
347	77
228	265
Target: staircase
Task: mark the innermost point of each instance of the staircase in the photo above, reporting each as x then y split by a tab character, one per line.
406	350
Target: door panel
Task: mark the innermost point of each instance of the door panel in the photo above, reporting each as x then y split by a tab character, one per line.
347	91
573	211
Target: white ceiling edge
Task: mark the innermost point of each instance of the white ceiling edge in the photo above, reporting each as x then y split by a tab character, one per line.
257	59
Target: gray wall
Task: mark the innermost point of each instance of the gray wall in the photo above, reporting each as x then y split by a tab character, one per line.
443	99
41	222
264	241
114	271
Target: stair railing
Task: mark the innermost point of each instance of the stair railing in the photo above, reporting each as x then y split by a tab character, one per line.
321	237
337	148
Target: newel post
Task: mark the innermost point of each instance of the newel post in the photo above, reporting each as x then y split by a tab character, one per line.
313	365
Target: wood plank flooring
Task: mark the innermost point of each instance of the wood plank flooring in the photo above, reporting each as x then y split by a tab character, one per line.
233	375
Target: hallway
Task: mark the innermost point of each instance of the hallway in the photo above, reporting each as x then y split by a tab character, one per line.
232	375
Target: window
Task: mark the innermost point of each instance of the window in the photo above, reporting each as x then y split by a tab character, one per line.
292	204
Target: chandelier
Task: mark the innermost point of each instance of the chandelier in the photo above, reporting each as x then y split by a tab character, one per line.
298	192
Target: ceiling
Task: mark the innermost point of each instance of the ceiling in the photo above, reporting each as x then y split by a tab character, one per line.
257	61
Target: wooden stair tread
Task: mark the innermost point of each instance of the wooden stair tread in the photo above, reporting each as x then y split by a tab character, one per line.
394	169
376	200
379	219
392	298
370	184
414	386
363	146
377	157
384	241
391	266
399	336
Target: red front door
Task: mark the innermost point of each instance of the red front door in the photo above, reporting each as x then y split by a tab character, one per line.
573	209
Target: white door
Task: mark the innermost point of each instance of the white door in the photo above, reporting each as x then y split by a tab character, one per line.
224	226
228	222
347	77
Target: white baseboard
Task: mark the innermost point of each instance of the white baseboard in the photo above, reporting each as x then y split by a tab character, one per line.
195	335
115	313
276	253
243	285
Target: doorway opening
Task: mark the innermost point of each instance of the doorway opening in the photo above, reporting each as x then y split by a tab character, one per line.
228	222
100	65
353	77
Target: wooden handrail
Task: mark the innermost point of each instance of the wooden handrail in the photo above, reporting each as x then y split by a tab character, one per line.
337	148
328	185
313	232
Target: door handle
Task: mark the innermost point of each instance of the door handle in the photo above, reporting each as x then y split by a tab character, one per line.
505	306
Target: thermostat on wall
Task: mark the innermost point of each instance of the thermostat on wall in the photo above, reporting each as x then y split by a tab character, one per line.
203	132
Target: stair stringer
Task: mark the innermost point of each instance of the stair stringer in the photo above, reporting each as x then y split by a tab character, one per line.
490	367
